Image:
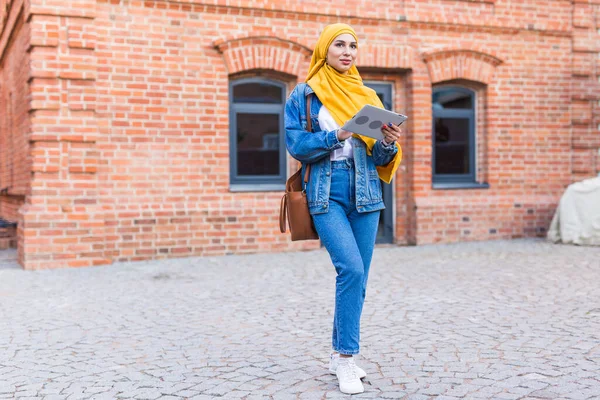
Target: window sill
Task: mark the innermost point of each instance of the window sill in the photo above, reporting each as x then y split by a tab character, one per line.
460	185
257	187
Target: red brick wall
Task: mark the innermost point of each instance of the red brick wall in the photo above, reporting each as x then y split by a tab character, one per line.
163	112
62	223
585	94
528	140
14	118
130	117
14	121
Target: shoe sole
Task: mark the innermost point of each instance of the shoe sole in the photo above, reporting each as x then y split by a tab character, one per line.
360	377
353	392
362	391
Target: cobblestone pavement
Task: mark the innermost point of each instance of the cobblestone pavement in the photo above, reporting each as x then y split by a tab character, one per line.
8	259
492	320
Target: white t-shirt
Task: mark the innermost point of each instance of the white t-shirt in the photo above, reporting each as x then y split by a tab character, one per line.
327	123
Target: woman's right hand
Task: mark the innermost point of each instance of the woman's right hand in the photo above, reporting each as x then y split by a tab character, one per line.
343	134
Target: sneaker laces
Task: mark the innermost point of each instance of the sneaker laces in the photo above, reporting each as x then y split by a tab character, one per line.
348	368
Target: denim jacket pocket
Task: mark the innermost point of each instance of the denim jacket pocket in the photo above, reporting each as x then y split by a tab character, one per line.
374	185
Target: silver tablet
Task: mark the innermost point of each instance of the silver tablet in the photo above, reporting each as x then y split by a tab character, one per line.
369	120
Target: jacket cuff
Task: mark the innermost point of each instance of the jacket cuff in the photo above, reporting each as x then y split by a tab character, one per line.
332	140
388	148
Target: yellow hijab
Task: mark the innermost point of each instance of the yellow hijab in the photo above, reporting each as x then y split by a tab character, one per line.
344	94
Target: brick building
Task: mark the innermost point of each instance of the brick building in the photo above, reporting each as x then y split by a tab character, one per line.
147	129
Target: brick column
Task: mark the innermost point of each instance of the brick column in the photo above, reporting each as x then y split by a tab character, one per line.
14	118
62	221
585	94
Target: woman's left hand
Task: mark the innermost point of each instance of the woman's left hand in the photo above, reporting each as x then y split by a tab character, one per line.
391	133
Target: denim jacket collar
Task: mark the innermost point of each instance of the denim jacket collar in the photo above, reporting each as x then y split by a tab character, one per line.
316	148
308	90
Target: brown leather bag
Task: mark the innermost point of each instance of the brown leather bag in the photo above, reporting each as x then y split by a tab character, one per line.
294	206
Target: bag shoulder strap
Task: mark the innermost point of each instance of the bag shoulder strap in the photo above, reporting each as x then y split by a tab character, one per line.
308	128
283	213
308	119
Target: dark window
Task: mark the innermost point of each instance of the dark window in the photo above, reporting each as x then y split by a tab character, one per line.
257	147
385	231
257	92
453	135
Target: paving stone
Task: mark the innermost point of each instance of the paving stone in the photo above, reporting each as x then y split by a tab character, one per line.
544	394
144	393
507	396
417	397
187	393
7	388
30	393
27	398
487	391
110	395
435	390
481	320
462	390
537	385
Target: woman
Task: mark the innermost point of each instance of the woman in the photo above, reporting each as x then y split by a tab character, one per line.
344	193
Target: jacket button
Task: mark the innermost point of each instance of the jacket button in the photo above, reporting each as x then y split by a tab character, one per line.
327	173
324	206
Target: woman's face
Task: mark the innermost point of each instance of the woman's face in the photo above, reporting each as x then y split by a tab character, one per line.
342	53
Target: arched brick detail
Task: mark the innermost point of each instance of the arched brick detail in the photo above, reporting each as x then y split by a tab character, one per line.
386	56
448	64
263	52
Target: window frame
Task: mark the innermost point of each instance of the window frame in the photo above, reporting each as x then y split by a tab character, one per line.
383	87
387	216
451	181
244	183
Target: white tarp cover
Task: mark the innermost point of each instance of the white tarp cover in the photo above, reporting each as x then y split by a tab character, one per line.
577	218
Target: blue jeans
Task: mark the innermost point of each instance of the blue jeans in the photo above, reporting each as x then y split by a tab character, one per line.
349	237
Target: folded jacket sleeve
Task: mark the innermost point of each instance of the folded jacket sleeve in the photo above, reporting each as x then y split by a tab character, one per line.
382	154
304	146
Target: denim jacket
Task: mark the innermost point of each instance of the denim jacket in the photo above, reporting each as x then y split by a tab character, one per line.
314	148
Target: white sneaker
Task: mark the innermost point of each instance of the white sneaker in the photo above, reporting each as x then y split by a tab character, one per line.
334	358
347	377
